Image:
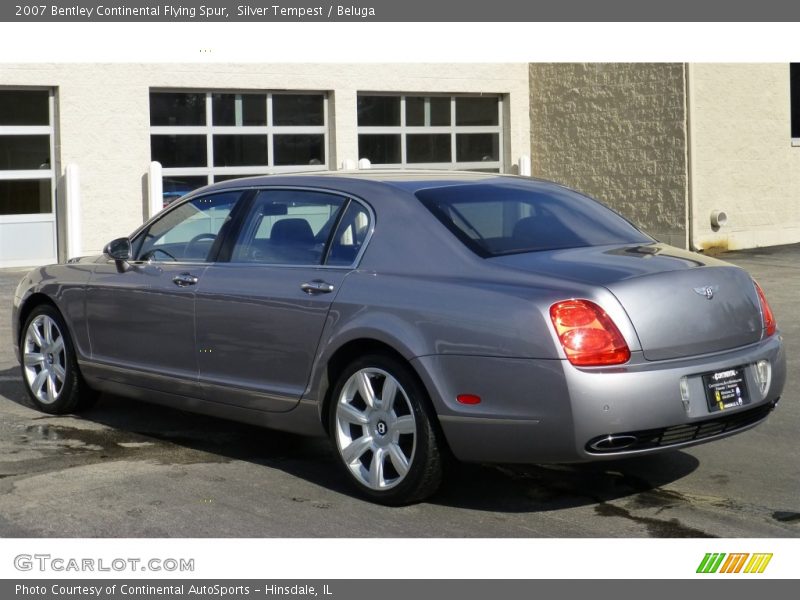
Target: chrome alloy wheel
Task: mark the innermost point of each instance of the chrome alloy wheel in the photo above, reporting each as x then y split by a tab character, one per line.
376	433
45	359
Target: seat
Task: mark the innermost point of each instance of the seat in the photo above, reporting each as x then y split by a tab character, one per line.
542	232
292	232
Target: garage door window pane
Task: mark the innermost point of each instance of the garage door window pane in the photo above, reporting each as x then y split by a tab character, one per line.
297	109
421	148
25	197
476	111
299	149
239	109
24	107
179	150
168	108
379	149
240	150
378	111
415	111
22	152
477	147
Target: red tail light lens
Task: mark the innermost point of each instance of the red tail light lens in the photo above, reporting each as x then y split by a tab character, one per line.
770	325
587	334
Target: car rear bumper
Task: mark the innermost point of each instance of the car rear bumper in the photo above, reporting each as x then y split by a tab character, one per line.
547	411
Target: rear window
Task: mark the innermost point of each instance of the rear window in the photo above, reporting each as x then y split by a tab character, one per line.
510	218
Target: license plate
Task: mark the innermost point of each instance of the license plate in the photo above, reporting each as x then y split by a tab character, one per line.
726	389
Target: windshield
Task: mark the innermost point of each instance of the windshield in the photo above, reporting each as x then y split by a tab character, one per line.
508	218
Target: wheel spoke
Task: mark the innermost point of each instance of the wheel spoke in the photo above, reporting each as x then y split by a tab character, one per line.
351	414
404	425
365	389
356	449
51	387
376	479
33	358
60	373
399	460
48	326
38	383
57	346
388	393
33	331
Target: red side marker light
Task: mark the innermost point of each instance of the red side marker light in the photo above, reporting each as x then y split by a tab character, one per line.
468	399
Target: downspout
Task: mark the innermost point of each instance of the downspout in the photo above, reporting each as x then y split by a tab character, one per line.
689	157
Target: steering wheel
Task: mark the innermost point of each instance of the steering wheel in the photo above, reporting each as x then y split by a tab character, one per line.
151	254
199	238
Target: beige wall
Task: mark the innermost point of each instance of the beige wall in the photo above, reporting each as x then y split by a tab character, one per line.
616	132
103	115
741	155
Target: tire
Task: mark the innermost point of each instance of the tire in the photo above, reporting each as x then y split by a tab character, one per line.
49	366
390	451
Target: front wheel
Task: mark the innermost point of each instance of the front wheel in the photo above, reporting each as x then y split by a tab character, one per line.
383	431
49	367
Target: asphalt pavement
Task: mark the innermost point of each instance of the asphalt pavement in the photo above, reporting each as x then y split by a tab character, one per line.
129	469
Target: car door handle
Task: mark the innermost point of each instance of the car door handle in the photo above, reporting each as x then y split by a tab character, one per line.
184	279
317	287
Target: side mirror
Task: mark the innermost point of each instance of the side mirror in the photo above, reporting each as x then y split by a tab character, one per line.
119	250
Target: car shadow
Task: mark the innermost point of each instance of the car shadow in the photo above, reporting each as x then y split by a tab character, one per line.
134	430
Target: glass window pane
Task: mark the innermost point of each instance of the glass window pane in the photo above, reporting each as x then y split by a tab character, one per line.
188	232
218	178
169	108
299	149
25	197
240	150
377	111
175	186
415	111
20	152
287	227
349	236
24	107
298	109
251	111
476	111
477	147
440	112
179	150
421	148
379	149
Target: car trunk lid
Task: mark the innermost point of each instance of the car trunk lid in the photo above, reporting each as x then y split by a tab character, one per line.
680	303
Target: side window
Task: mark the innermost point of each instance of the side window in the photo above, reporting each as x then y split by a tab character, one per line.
189	232
288	227
349	236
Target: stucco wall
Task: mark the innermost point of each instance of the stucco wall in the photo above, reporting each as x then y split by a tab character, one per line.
741	156
616	132
103	115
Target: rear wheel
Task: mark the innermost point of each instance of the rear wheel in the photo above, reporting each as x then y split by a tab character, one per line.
383	431
49	367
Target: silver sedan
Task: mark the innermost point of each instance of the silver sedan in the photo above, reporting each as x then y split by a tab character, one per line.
410	317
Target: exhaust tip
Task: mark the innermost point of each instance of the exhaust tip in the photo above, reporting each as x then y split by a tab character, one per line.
611	443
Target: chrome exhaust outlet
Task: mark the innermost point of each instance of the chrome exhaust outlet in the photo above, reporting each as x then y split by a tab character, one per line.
610	443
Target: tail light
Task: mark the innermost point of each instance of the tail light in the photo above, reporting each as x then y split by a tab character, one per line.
587	334
770	325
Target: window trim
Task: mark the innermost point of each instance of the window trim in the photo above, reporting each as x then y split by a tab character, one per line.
209	171
453	130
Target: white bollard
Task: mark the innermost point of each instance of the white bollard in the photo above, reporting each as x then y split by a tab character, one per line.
525	165
364	164
349	164
72	177
155	188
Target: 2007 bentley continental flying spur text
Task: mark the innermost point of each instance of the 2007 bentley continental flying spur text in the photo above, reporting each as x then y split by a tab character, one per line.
409	316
